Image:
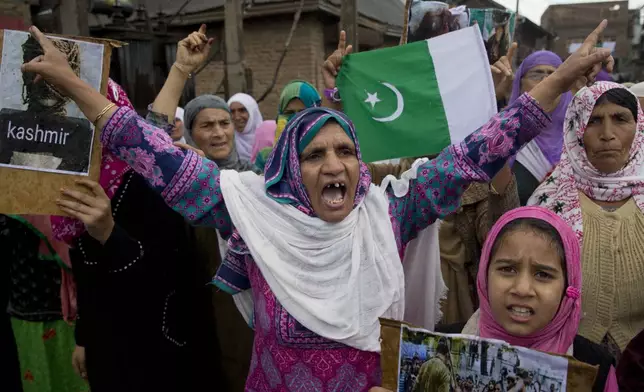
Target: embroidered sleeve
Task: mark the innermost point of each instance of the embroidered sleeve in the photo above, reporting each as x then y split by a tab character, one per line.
232	276
188	183
437	190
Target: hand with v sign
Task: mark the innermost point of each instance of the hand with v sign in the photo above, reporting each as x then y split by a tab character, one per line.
586	62
94	209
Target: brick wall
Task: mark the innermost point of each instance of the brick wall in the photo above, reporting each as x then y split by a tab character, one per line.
14	14
263	44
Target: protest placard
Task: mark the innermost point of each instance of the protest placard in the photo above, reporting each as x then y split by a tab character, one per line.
417	360
497	28
45	140
428	19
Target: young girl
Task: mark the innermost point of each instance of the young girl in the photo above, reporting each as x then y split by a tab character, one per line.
529	282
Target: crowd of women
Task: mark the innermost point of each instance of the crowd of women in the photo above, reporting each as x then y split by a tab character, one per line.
538	217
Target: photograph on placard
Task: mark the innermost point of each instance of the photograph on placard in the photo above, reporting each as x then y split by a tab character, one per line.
431	362
40	128
429	19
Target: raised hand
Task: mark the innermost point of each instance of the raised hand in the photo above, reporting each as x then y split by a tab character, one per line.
586	61
52	65
193	50
332	65
502	74
93	209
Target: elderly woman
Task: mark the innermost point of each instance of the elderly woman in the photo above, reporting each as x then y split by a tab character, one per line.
246	119
317	244
537	159
597	188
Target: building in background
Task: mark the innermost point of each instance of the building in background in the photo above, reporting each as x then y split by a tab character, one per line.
530	36
153	27
571	23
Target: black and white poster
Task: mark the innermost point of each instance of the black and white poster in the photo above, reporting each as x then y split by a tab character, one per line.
40	128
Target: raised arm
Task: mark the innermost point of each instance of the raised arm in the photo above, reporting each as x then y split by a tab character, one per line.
437	190
188	183
191	53
440	183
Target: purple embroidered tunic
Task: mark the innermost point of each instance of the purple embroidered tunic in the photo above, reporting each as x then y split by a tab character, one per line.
286	356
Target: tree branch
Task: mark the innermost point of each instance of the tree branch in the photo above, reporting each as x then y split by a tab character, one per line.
296	20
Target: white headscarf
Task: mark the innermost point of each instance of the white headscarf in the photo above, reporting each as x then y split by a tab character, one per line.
244	140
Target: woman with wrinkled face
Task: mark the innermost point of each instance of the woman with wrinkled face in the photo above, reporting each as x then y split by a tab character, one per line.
598	190
315	247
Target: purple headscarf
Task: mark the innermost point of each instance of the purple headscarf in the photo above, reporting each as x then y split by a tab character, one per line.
550	140
603	76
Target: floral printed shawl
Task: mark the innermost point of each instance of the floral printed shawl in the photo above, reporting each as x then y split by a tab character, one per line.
560	191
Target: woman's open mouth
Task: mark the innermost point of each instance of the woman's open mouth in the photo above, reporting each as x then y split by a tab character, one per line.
520	314
333	194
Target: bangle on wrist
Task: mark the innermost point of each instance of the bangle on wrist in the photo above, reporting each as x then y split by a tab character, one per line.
333	95
103	112
182	69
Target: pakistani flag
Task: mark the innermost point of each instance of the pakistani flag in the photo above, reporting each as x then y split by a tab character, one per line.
416	99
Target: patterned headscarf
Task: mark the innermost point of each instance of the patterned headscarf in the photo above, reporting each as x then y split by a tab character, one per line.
550	140
283	173
559	192
558	335
112	171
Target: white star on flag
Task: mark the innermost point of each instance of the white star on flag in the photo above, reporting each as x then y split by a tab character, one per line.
372	99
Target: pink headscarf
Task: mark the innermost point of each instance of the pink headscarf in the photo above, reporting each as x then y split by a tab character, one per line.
557	337
67	229
264	137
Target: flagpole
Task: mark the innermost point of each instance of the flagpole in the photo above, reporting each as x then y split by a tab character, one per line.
516	34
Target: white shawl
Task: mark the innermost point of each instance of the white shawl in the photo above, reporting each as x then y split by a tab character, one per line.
336	279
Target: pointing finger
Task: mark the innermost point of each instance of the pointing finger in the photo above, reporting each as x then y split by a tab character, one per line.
342	42
593	37
511	50
44	42
202	29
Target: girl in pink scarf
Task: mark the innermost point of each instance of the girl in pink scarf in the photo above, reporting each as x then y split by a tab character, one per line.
529	286
529	282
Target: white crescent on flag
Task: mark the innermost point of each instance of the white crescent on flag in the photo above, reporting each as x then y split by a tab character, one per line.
400	104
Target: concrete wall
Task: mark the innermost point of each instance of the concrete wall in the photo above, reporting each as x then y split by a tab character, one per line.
573	22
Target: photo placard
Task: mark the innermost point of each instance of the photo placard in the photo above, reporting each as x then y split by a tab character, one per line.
46	142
